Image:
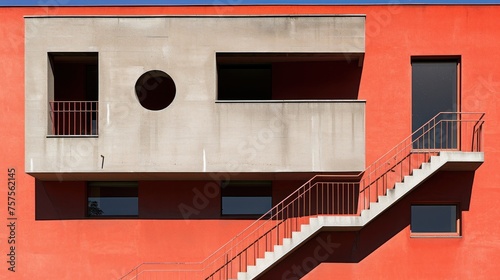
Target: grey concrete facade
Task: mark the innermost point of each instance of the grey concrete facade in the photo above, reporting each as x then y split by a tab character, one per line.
195	134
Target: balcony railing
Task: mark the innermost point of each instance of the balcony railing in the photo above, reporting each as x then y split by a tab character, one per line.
74	118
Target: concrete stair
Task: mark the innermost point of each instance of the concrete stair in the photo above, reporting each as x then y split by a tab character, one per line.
444	161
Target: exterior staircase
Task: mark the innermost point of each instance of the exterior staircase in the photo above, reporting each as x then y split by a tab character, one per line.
449	141
443	161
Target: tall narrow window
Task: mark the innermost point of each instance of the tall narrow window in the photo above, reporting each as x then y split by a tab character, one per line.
112	199
246	197
434	220
434	90
73	94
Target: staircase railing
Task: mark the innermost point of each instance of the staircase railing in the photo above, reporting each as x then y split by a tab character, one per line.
327	195
447	131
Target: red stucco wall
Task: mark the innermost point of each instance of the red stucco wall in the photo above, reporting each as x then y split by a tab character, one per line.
106	249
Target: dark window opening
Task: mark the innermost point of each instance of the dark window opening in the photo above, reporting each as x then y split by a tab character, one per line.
434	220
73	94
112	199
246	197
434	90
288	76
155	90
245	82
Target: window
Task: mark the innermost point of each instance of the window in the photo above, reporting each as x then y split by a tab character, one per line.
108	199
435	220
246	197
288	76
245	82
434	90
73	85
155	90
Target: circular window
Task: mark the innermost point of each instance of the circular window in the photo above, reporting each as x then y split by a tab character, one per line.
155	90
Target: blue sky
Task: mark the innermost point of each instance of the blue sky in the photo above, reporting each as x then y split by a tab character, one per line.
227	2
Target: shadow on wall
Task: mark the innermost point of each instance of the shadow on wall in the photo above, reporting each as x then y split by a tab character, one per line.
157	200
354	246
60	200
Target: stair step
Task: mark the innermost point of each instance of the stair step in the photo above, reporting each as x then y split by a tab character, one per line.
314	222
242	276
251	270
278	249
287	242
408	179
383	198
418	172
435	160
425	166
305	228
296	235
401	190
260	262
366	213
375	206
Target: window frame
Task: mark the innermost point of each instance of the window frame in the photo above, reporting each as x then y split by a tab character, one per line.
70	116
273	83
111	184
450	234
247	184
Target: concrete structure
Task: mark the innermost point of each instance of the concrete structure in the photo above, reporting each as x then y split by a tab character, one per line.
315	116
195	134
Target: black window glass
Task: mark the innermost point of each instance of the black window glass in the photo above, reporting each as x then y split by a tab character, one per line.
246	197
434	218
434	90
112	199
245	82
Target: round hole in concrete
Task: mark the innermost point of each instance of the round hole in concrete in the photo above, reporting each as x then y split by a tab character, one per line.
155	90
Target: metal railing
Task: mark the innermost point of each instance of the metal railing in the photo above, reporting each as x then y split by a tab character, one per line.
447	131
316	197
74	118
327	195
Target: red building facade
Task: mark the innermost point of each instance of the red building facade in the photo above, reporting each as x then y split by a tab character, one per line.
50	233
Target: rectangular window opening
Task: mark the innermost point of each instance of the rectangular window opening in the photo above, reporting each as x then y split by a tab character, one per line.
73	87
245	81
246	197
288	76
435	89
435	220
112	199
